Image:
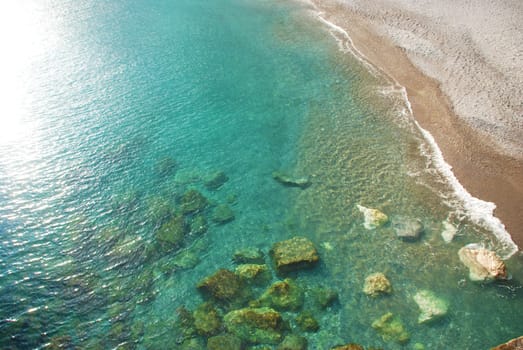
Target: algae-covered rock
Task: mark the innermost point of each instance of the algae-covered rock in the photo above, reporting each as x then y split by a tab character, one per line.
222	214
391	328
287	180
198	225
165	166
294	254
256	325
184	260
224	342
159	209
307	322
188	344
223	285
207	321
215	180
193	201
432	308
172	233
249	256
407	229
325	297
373	217
283	295
350	346
483	264
254	273
184	324
293	342
377	284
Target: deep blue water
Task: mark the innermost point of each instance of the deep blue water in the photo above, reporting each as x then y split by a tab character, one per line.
115	109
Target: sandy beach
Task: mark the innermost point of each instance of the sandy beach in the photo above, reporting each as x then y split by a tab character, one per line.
461	63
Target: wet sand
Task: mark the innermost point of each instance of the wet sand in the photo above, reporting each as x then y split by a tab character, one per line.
488	164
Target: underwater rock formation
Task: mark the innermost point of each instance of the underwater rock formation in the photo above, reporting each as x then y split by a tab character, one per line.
222	214
391	328
165	167
348	347
225	341
483	264
198	225
377	284
256	325
172	233
407	229
249	256
254	273
215	180
287	180
294	254
283	295
307	322
325	297
373	217
223	285
193	201
432	308
207	321
293	342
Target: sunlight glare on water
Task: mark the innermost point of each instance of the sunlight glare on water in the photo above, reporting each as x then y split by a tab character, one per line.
24	37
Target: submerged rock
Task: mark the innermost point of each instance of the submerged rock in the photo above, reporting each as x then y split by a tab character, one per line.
483	264
254	273
207	321
224	285
193	201
172	232
325	297
294	254
377	284
215	180
408	229
373	217
225	341
165	166
293	342
222	214
287	180
256	325
432	308
283	295
249	256
307	322
198	225
514	344
391	328
449	231
350	346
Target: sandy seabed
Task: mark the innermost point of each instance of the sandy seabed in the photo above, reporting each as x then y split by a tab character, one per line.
461	63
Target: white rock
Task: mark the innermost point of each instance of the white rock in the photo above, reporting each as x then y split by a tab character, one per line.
483	264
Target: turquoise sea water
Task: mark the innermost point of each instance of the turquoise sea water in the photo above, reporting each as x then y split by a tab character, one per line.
113	110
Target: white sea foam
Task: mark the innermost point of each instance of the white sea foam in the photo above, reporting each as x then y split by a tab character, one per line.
478	211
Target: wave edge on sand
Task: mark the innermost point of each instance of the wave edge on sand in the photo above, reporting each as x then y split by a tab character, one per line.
480	212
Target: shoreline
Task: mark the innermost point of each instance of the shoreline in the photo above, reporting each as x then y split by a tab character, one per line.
484	170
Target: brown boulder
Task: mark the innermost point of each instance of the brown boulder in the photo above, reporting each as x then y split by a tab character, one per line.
294	254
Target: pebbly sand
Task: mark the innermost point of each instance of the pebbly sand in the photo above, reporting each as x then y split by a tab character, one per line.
461	62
